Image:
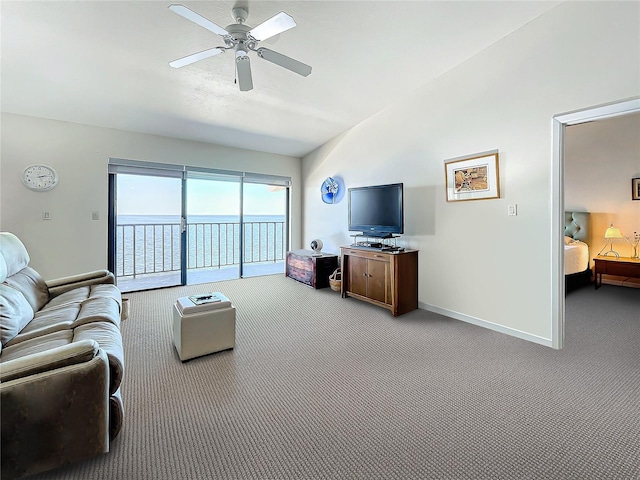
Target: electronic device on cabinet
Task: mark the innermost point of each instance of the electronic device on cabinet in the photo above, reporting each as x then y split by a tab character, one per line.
377	213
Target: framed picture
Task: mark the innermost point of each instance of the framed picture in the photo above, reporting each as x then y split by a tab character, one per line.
473	177
635	189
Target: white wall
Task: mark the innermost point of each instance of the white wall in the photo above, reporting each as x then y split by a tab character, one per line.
72	242
601	158
477	263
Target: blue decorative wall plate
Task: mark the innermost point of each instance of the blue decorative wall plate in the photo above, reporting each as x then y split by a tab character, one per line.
329	190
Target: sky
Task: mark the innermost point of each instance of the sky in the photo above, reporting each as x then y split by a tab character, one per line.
144	195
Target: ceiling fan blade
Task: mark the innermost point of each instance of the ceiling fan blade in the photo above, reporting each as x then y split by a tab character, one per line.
243	66
284	61
197	18
189	59
277	24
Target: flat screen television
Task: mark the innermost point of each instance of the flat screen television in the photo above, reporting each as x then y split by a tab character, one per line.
377	211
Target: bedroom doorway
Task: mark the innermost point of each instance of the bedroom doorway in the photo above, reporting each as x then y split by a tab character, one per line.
560	122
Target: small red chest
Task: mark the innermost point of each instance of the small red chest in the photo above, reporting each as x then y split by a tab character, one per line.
309	269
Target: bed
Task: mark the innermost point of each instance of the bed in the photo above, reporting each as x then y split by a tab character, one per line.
576	251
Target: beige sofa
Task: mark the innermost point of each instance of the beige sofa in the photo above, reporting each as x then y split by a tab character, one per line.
61	364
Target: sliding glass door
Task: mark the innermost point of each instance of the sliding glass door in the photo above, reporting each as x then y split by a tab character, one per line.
265	226
147	231
175	225
213	227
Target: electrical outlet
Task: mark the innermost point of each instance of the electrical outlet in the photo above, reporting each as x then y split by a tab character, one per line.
46	215
512	210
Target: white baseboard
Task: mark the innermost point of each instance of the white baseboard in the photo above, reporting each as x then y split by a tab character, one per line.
486	324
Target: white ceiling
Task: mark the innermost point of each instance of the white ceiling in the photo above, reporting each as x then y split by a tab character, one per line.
105	63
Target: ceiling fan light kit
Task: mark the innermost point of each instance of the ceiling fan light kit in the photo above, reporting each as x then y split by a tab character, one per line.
242	39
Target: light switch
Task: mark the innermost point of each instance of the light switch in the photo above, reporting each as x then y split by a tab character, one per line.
46	215
95	215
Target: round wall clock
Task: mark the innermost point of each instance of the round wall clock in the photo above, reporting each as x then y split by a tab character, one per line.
39	177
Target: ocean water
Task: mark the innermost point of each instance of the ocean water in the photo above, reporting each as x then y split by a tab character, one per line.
151	243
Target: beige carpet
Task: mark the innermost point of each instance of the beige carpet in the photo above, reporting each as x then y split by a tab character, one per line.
320	387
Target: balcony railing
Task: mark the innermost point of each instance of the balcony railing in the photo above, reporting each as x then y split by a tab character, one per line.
155	248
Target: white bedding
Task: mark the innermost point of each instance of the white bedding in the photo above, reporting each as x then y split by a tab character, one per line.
576	257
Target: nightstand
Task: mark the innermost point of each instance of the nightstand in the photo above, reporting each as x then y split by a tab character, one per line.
622	266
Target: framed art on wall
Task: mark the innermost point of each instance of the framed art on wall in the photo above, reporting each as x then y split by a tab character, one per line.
635	188
473	177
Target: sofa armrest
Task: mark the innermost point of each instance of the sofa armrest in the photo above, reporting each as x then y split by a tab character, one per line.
64	284
54	417
71	354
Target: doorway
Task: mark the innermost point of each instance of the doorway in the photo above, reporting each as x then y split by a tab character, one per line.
560	122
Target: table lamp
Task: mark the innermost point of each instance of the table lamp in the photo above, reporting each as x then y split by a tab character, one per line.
611	233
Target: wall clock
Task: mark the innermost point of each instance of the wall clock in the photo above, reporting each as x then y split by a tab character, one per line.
39	177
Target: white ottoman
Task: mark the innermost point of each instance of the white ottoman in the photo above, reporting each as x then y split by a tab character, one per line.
203	324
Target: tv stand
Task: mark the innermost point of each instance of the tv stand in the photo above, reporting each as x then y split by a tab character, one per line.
388	279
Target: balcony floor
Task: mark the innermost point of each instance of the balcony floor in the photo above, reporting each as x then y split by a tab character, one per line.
197	276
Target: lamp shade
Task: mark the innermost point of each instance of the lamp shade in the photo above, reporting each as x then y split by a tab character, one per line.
613	232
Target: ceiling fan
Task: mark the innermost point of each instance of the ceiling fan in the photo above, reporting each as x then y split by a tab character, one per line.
242	39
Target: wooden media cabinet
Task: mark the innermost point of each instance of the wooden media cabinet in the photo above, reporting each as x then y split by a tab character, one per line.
383	278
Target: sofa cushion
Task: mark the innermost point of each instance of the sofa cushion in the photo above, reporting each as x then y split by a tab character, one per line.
106	291
15	313
37	345
98	310
14	253
77	295
68	316
48	321
81	294
32	286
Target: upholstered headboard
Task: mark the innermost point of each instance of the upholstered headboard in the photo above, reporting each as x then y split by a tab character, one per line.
576	225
